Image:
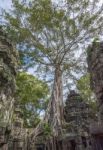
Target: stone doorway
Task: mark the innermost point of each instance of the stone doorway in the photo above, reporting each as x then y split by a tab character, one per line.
69	144
72	145
40	147
97	143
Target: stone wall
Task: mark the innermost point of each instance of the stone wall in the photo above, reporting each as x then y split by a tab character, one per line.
8	68
18	136
13	136
95	68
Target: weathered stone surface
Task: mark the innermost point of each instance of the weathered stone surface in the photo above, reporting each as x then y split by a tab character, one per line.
8	67
77	111
95	67
75	131
19	133
12	135
77	115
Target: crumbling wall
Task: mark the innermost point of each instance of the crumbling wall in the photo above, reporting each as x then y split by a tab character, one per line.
8	67
95	67
13	136
18	134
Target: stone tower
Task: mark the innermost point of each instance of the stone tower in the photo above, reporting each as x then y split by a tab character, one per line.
77	114
8	68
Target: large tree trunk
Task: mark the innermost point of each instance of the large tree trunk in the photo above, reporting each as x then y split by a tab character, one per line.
55	109
54	112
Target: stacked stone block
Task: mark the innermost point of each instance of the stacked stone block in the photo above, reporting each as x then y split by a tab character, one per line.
95	66
77	116
18	133
8	69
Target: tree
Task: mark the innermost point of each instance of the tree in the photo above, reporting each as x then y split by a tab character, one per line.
49	35
83	87
32	96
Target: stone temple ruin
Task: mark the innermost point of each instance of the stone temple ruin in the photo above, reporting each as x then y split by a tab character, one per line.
18	135
78	133
8	65
75	136
78	116
95	66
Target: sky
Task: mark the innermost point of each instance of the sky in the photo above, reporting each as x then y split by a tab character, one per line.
5	4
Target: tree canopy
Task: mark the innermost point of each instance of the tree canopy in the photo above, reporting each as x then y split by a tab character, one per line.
32	95
49	34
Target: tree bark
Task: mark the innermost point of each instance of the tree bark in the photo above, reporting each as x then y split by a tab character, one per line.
54	113
56	107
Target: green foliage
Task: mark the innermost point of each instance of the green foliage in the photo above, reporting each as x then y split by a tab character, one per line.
32	95
47	130
30	89
83	86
